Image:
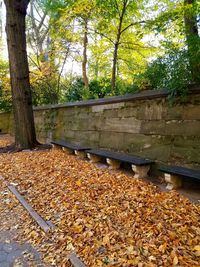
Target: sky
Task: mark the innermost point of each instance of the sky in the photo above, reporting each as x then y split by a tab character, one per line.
4	53
71	66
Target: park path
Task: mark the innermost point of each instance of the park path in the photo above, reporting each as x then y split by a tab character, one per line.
14	253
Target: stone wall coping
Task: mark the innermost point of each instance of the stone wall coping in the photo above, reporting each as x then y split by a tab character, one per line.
145	95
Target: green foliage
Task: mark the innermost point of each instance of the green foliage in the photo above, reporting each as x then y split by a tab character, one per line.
151	32
97	89
5	91
169	72
74	90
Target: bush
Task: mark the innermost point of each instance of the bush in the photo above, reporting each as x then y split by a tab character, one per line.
5	90
170	72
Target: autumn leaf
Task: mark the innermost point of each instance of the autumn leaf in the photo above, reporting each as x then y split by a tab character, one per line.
104	215
106	240
175	261
78	183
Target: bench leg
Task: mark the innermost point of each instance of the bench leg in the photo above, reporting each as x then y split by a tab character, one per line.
173	181
93	158
67	150
56	146
80	154
140	171
113	164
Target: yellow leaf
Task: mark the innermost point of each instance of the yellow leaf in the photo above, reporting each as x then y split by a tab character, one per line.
77	228
197	253
106	240
133	262
175	261
197	248
78	183
152	258
162	248
70	246
130	250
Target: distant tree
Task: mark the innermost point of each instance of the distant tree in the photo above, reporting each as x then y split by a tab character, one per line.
192	38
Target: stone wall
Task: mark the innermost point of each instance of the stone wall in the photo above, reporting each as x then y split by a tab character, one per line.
142	124
6	122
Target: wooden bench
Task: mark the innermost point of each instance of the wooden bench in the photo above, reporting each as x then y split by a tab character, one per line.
71	148
174	175
139	165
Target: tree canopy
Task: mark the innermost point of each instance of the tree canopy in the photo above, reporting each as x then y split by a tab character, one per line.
88	49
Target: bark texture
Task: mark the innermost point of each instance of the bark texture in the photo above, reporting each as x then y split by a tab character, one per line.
84	63
25	137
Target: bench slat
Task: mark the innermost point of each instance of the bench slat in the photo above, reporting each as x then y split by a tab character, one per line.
180	171
69	145
121	157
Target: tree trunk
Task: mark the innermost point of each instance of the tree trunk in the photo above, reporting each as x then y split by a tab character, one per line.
193	40
25	137
114	67
84	63
117	43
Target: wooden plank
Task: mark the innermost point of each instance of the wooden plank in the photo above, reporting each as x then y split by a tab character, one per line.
181	171
75	261
69	145
41	222
121	157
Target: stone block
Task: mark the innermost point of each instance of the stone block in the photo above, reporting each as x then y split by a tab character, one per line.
127	112
111	140
140	142
80	154
140	171
93	158
187	141
110	113
186	154
67	112
122	125
173	181
153	127
159	153
174	112
5	122
151	111
89	136
113	164
67	150
89	124
186	128
192	112
101	108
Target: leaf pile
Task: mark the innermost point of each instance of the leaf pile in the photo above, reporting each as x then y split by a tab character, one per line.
108	217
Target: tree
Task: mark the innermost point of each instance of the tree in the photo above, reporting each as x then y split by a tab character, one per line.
192	39
76	16
25	136
121	16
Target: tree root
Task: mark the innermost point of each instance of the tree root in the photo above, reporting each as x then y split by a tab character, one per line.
14	149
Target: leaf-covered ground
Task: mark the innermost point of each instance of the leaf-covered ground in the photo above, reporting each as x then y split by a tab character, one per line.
108	217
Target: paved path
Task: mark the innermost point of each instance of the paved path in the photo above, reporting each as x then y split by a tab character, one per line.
15	254
12	252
